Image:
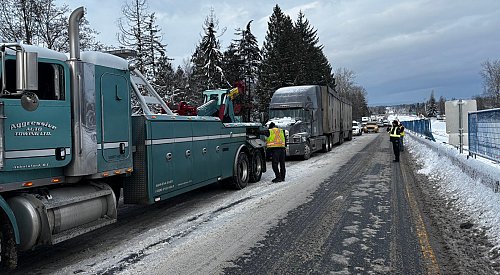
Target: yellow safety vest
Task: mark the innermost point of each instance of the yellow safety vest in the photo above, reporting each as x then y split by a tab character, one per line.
394	131
402	132
276	138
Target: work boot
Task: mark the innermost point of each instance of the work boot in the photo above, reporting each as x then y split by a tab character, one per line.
276	180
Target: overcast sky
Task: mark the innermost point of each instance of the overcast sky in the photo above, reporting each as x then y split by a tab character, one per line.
399	50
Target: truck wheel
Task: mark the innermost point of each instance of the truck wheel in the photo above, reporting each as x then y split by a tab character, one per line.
307	151
8	258
349	138
241	171
256	168
324	147
330	142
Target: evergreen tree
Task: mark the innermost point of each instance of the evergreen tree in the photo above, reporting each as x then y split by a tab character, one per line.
252	58
233	63
313	67
442	102
277	69
432	106
207	59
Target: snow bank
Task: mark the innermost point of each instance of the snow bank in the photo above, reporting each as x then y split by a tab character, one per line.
471	184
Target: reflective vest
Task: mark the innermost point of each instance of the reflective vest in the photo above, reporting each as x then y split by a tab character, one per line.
394	132
402	131
276	138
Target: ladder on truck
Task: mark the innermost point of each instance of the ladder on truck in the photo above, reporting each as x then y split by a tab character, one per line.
149	100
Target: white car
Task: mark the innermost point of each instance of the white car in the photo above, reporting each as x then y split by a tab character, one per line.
357	128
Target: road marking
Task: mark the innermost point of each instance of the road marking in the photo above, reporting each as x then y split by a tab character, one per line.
423	238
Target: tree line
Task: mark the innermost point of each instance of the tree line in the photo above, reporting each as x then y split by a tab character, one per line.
291	53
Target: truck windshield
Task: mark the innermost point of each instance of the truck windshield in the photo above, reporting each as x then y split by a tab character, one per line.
296	113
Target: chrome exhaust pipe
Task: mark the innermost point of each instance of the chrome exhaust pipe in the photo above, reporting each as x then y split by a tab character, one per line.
74	33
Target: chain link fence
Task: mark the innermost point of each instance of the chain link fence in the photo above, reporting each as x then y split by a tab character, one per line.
421	126
484	134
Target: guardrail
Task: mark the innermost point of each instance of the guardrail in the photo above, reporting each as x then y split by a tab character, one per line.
484	134
421	126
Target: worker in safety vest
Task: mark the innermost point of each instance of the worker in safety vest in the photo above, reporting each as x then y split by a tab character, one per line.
395	136
402	135
276	148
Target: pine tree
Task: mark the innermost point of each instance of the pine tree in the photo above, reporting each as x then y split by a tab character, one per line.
207	59
252	58
432	106
442	102
233	63
277	69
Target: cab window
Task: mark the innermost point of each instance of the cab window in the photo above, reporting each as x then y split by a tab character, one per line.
50	80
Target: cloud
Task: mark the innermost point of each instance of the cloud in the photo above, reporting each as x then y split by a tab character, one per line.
400	50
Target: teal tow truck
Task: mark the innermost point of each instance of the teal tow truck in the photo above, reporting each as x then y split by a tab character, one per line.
69	143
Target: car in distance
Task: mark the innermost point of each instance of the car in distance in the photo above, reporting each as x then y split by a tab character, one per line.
371	127
357	128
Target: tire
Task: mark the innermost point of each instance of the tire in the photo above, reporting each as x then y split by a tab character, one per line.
256	166
324	147
349	138
241	171
307	151
8	257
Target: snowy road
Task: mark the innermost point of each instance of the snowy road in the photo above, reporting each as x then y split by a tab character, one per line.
351	210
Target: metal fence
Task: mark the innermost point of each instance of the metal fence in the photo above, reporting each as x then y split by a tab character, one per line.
484	134
421	126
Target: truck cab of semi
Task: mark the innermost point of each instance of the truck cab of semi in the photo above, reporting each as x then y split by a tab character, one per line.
315	117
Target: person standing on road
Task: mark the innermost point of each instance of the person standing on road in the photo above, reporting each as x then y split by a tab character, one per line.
401	137
395	135
276	147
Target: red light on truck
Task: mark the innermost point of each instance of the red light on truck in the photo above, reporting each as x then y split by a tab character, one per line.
28	184
56	180
105	174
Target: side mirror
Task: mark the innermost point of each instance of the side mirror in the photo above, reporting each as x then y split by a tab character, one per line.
26	71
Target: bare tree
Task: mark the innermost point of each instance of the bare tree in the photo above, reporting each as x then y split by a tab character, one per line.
132	28
490	73
347	88
43	23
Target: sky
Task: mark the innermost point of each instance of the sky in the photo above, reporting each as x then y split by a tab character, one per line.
401	51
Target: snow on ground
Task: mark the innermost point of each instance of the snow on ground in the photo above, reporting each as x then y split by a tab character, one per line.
471	185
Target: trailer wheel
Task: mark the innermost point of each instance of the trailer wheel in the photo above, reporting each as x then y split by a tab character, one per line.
324	147
241	171
8	252
256	166
349	138
330	142
307	151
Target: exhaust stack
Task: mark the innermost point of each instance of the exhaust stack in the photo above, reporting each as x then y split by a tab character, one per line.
74	33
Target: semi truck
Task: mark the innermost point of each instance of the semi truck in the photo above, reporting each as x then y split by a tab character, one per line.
316	118
70	144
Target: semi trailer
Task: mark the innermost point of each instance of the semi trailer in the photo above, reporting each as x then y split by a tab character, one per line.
70	144
316	118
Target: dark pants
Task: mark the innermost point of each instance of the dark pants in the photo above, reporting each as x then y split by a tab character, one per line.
278	156
395	148
401	147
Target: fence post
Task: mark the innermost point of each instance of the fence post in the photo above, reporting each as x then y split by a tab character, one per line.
460	127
